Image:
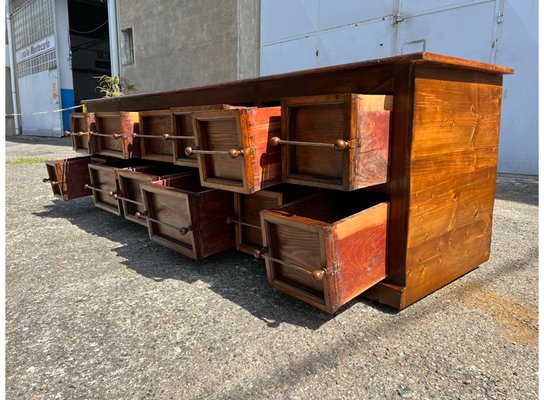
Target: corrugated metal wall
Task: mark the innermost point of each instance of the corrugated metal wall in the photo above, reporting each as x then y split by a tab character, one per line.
300	34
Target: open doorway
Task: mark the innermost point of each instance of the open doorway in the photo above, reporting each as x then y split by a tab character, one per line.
89	45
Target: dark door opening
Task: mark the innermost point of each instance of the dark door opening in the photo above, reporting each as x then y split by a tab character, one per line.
90	46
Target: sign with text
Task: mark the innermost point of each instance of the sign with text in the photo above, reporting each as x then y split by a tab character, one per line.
36	48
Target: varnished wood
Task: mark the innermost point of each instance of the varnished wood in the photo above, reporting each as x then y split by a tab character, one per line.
130	181
247	208
445	93
68	177
182	125
355	127
116	134
235	151
156	123
176	203
83	142
339	240
104	178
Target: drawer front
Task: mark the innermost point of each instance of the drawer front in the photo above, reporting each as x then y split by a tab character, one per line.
115	134
168	212
153	144
68	177
336	141
183	127
103	182
220	133
80	127
233	149
325	263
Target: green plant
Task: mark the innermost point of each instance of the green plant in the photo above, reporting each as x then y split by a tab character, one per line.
114	86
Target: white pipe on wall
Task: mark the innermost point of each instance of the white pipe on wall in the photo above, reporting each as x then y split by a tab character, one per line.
12	71
114	46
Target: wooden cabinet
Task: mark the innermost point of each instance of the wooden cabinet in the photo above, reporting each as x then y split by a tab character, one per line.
115	134
247	208
233	148
104	183
81	125
68	177
326	249
335	141
188	218
441	163
183	133
130	193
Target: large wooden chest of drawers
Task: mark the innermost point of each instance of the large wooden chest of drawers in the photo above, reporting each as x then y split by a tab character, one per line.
442	160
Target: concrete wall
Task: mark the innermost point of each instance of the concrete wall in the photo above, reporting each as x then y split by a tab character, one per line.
183	43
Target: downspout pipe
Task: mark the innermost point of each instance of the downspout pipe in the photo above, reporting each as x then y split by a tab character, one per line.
12	71
114	46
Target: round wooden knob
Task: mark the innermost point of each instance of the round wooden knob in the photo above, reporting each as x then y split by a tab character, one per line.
115	196
318	274
66	133
116	136
138	214
274	141
166	136
257	254
86	186
184	231
111	193
189	151
341	145
235	153
229	220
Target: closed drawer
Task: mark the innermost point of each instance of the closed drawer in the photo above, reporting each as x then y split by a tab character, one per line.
104	183
81	125
68	177
130	193
114	134
233	149
188	218
336	142
247	209
326	249
183	135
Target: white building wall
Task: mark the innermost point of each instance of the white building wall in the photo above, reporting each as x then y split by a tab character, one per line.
301	34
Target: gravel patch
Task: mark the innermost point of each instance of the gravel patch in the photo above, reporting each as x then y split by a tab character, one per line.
94	310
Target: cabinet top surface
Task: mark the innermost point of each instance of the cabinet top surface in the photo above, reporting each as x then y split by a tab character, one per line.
414	58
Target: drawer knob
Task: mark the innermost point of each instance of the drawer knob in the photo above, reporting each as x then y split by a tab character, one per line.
185	230
138	214
338	145
318	274
45	180
166	136
258	253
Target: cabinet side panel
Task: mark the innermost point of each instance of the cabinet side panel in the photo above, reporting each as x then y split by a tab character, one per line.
453	173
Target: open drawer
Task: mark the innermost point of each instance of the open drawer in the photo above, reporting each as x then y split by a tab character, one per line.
69	176
104	183
130	193
183	133
81	125
247	209
188	218
233	149
114	136
155	135
326	249
336	142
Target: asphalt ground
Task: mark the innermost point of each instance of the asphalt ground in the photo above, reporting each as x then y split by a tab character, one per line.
94	310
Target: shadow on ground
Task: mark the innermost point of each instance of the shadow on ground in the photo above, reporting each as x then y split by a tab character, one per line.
235	276
518	188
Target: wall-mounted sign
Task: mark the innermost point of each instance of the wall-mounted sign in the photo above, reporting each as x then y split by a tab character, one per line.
36	48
